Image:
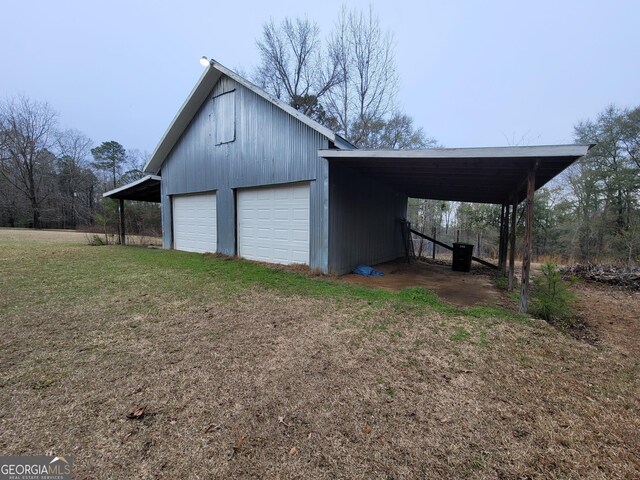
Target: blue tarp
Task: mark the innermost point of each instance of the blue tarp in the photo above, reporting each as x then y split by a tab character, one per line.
367	271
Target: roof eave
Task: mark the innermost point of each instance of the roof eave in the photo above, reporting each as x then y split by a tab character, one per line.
130	185
181	121
475	152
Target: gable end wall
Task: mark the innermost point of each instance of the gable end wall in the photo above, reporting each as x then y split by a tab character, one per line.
270	147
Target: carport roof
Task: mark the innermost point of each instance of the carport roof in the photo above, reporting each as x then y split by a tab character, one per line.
483	175
146	189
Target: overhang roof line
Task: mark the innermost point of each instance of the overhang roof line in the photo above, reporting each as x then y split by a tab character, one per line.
145	189
481	175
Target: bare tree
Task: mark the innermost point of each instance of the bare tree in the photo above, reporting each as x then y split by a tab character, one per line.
350	86
365	58
27	135
292	64
630	128
134	164
398	132
76	180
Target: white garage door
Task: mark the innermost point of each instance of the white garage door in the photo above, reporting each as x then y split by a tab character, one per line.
273	224
194	222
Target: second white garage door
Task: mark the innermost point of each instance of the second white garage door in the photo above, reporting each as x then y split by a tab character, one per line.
194	222
273	224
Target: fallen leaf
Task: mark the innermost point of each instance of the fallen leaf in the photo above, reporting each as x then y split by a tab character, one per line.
237	446
293	451
367	429
444	420
239	443
136	414
126	437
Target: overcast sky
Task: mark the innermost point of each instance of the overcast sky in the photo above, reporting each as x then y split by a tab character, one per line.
473	73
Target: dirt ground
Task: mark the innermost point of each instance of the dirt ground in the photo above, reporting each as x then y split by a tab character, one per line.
609	315
457	288
613	313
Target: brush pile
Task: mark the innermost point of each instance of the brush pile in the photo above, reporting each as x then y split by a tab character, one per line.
623	276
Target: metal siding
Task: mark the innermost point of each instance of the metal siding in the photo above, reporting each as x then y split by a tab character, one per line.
319	228
226	221
165	211
270	147
363	220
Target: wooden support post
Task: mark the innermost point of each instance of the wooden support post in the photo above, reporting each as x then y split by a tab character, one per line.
512	242
122	233
526	246
507	232
505	240
501	240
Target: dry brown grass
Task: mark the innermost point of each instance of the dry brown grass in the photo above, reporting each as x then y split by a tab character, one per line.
28	235
360	389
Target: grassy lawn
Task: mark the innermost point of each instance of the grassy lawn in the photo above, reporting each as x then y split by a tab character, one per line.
251	372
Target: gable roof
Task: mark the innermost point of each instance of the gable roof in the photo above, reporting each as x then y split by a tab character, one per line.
197	97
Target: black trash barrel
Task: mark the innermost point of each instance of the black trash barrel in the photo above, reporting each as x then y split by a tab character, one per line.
462	253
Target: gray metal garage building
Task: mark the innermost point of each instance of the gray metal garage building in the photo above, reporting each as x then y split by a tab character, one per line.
242	173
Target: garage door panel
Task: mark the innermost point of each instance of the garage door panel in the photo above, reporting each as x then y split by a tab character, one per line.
281	214
262	195
194	222
300	257
281	234
281	194
301	214
300	236
264	214
301	194
273	224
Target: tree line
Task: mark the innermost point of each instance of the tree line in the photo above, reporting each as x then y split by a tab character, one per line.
51	177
